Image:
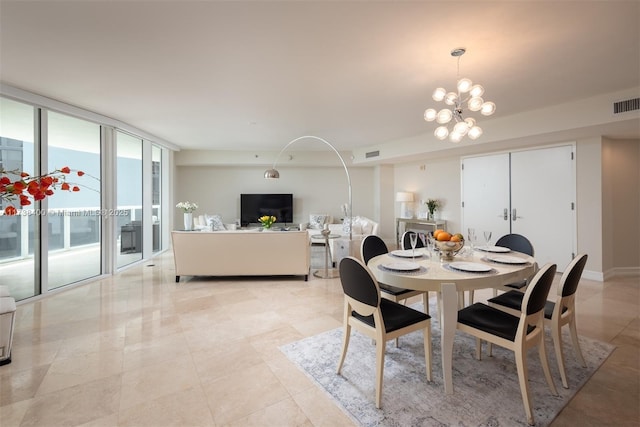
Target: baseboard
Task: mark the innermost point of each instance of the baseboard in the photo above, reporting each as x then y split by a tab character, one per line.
597	276
622	272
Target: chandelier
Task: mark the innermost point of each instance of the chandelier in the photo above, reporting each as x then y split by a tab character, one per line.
468	95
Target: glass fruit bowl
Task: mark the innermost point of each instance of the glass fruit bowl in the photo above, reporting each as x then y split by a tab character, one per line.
448	249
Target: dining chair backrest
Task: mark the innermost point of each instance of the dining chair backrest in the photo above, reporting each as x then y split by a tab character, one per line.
372	246
537	292
358	283
516	242
406	240
571	277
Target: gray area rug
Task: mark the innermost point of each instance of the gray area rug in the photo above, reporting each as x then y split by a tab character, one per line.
486	391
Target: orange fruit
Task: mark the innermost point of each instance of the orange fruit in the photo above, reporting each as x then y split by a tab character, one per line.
438	231
443	236
456	238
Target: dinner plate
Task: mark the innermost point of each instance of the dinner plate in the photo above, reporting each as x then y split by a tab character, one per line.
506	259
470	267
495	249
406	253
402	266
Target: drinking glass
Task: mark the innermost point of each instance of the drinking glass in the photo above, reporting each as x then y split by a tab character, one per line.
471	235
487	237
414	241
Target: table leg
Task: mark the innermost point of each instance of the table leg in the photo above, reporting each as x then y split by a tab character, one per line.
448	324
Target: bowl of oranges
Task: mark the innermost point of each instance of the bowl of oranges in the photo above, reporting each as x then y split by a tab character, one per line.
448	244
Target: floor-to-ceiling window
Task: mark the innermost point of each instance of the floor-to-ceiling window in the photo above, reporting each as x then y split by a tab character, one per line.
74	218
18	236
71	240
129	198
156	190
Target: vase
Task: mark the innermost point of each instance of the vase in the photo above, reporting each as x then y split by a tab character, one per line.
430	216
188	221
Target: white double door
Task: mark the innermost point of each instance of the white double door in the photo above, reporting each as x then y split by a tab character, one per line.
531	193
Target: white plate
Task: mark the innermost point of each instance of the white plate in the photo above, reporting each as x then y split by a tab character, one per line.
406	253
506	259
495	249
471	267
402	266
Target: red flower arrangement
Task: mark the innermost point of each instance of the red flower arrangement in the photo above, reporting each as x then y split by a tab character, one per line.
36	187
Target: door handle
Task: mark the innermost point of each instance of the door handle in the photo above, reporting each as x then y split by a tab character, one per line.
505	214
514	216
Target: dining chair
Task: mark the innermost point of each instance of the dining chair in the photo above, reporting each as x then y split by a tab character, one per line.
377	318
518	243
406	240
556	314
516	333
372	246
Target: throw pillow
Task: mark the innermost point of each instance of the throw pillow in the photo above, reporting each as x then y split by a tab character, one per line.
215	222
317	221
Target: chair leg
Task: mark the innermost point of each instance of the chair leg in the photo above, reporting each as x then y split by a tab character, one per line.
380	348
426	335
425	302
542	351
521	364
345	345
478	349
489	349
471	296
576	344
557	345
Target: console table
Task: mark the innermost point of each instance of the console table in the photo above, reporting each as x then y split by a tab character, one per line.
404	224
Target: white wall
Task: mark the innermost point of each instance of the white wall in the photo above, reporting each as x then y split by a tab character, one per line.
217	189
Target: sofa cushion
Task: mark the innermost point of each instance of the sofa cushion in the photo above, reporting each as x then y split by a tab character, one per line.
317	221
215	222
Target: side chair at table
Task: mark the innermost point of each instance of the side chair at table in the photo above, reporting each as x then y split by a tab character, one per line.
373	246
517	334
556	314
377	318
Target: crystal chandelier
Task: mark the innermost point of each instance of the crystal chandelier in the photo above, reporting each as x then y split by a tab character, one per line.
468	95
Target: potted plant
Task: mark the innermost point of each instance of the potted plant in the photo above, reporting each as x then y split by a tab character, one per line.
187	209
267	221
432	206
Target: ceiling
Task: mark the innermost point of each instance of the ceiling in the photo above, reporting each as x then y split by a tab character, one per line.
238	75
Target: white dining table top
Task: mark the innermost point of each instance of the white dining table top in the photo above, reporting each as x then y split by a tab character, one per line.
434	272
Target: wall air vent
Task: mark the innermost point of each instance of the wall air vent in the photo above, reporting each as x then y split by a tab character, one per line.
371	154
626	105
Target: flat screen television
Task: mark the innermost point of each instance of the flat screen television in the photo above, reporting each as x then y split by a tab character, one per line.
253	206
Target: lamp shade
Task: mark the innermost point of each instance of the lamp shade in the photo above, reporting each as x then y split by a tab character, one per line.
403	196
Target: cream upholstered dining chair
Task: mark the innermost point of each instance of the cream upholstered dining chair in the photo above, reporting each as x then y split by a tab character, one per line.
377	318
556	314
515	333
373	246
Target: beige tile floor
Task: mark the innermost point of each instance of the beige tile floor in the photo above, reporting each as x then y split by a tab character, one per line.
137	349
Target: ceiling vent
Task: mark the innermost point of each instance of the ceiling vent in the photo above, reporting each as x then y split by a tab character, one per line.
627	105
371	154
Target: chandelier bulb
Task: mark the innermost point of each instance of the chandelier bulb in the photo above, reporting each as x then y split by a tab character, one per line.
464	85
441	132
475	132
475	103
451	98
444	116
455	137
439	94
461	128
430	114
488	108
476	90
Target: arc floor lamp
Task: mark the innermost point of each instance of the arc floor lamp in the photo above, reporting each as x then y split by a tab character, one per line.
274	174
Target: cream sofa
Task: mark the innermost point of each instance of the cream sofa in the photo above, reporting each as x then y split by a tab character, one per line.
241	253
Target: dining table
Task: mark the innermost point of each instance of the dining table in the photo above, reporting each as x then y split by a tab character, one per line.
470	270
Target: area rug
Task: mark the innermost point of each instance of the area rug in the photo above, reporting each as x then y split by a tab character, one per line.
486	391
